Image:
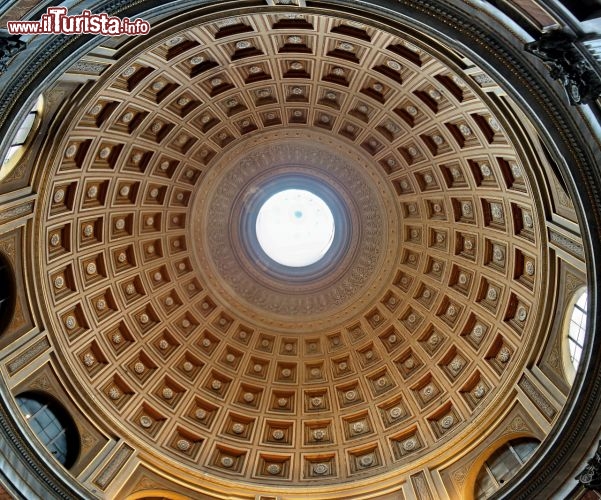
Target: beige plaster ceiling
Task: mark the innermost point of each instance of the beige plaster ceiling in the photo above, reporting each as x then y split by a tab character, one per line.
401	355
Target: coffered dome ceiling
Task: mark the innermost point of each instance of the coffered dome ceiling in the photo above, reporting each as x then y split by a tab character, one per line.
399	348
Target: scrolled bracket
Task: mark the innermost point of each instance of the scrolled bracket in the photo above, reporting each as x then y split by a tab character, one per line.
590	477
10	45
567	64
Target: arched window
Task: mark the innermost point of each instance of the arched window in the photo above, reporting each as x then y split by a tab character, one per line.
7	293
577	328
21	139
52	424
502	465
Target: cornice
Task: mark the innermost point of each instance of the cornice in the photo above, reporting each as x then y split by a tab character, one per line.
524	79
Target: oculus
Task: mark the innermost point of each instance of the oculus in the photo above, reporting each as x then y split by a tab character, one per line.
295	227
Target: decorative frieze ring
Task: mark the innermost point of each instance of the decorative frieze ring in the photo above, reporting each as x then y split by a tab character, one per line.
352	282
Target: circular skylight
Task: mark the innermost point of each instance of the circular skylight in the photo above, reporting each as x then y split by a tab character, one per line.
295	227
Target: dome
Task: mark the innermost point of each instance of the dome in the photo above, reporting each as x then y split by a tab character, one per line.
294	252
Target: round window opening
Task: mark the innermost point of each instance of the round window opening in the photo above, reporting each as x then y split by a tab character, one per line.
295	227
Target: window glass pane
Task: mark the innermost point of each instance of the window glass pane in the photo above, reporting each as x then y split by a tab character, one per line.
58	447
44	419
574	353
576	330
10	153
485	485
35	425
24	129
21	136
577	317
573	348
504	466
576	342
51	424
28	404
524	449
579	338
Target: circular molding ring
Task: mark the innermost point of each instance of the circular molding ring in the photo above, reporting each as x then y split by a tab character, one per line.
363	252
250	203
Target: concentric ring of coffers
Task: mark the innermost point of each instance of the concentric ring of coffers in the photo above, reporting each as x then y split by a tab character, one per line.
225	241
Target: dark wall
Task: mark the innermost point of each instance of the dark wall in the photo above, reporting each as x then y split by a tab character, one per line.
583	9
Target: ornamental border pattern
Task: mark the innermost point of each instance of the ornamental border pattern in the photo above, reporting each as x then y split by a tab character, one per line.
567	244
110	470
28	355
536	396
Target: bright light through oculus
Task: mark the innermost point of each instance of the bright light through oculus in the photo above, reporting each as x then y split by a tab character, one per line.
295	228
